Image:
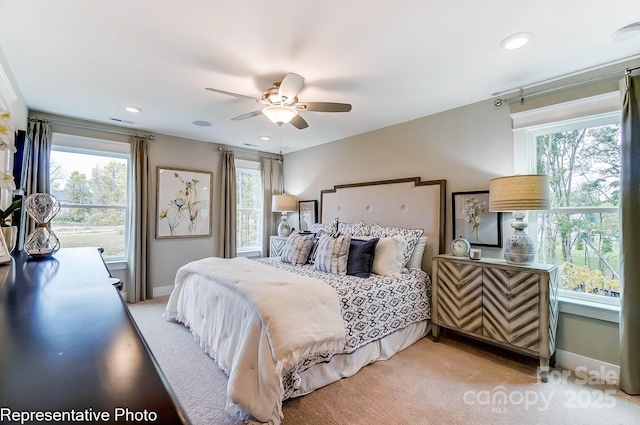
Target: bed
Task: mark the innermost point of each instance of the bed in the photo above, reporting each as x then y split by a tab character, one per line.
280	330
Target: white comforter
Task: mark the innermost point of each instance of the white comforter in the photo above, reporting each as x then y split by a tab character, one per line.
263	344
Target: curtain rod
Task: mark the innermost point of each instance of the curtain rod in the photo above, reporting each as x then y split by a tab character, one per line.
88	127
501	101
252	153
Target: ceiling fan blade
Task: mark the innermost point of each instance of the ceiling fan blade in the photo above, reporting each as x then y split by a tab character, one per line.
299	122
228	93
248	115
290	87
324	106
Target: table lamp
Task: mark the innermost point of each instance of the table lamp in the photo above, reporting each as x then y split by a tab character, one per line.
283	204
518	194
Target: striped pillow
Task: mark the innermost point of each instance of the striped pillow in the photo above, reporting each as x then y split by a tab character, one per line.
332	253
297	249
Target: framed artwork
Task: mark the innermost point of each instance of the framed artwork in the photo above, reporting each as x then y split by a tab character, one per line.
183	203
473	221
308	214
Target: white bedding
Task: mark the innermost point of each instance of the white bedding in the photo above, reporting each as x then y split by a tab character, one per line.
235	333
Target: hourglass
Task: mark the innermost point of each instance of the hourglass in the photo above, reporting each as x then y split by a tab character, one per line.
42	242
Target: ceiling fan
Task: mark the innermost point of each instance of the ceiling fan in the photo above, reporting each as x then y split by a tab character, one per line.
281	103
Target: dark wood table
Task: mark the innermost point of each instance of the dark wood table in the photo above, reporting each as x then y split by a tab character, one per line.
68	345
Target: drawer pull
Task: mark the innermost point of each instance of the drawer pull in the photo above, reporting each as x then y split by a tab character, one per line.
508	293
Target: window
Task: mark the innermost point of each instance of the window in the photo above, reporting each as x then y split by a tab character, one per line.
249	207
90	179
581	233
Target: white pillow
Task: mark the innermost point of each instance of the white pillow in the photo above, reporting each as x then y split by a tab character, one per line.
388	259
415	262
411	236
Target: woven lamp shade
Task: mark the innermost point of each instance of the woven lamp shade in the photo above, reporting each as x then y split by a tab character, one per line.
519	193
283	203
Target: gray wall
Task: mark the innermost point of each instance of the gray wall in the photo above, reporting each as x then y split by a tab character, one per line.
167	255
593	338
466	146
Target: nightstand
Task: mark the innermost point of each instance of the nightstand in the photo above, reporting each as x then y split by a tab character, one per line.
276	245
505	304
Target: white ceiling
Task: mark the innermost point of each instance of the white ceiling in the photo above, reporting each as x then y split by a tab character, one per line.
394	61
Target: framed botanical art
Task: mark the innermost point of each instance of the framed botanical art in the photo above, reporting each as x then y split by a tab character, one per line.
308	214
183	203
473	221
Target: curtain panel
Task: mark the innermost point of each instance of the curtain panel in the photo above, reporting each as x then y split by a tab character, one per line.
271	170
228	207
139	287
38	155
630	237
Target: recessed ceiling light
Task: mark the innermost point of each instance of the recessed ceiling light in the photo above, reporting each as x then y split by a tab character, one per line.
628	32
265	138
202	123
515	41
132	109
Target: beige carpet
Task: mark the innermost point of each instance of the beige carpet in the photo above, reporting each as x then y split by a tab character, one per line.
455	381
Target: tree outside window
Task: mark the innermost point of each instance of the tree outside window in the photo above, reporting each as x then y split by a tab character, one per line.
92	190
582	231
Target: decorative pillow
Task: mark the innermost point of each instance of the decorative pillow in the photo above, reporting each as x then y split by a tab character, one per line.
332	253
314	247
329	227
387	260
297	249
354	229
361	254
410	235
415	262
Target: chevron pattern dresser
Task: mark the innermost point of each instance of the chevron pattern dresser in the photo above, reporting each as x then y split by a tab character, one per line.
276	245
489	299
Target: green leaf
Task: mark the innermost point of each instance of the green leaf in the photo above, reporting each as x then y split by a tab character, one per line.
5	214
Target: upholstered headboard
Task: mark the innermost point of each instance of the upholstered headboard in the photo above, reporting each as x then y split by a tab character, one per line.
408	203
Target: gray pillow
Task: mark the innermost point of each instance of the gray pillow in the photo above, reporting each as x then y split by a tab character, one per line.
332	253
297	249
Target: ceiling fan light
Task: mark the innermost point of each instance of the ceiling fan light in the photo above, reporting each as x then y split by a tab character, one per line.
280	114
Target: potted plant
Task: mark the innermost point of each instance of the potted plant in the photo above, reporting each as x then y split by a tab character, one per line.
9	232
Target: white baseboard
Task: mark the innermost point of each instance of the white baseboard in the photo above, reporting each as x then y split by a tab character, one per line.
162	290
572	361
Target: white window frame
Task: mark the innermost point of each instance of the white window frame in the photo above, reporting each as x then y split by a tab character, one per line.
250	165
593	111
62	142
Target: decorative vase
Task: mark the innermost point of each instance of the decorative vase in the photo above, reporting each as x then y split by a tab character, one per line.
42	242
519	248
10	234
283	228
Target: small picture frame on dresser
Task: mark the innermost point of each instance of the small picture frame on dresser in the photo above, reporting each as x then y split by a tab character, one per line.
307	214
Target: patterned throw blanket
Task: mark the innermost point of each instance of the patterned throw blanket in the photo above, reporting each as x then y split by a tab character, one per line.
371	308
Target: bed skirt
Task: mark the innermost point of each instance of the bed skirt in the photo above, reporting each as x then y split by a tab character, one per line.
345	365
